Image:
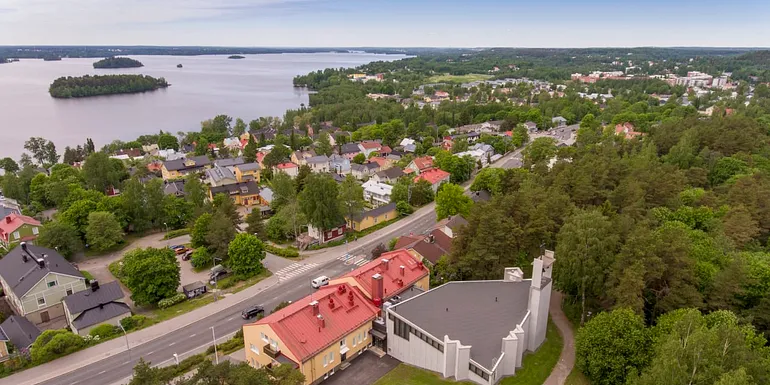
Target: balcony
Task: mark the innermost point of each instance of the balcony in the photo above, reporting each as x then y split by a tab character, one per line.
271	352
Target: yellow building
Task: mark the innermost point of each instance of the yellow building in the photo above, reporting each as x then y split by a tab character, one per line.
315	334
242	193
178	168
373	217
247	171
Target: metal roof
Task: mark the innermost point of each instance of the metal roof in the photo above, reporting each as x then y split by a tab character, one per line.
22	276
88	299
100	314
392	280
376	211
20	331
477	313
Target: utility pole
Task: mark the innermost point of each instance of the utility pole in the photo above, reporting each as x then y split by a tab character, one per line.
127	346
216	356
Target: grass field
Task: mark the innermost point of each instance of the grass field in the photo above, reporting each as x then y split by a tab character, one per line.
446	78
409	375
537	366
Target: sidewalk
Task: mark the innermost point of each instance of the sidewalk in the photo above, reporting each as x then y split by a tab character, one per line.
110	348
567	358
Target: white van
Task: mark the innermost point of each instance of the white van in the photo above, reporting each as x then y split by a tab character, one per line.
320	281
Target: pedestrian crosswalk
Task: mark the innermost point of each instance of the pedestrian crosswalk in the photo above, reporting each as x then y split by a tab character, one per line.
358	260
293	270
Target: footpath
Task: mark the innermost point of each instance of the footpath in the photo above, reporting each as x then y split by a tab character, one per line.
567	358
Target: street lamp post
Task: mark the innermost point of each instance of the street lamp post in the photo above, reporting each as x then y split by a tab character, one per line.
167	240
127	346
216	356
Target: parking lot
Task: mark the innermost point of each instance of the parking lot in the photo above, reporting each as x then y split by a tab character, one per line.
365	369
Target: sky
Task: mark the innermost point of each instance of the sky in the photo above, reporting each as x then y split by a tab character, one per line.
387	23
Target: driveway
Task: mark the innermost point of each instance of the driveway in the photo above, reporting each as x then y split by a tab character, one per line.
365	369
567	358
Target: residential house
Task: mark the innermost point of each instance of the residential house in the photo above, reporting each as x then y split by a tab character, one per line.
35	280
339	164
368	147
19	332
531	126
326	235
451	225
419	165
559	121
350	150
220	176
377	193
486	149
627	130
389	175
291	169
442	330
234	144
478	156
230	163
373	217
316	334
15	228
170	154
481	196
242	193
247	171
434	176
363	171
319	163
430	247
4	341
155	166
385	151
8	210
174	187
95	306
301	157
180	167
384	163
406	141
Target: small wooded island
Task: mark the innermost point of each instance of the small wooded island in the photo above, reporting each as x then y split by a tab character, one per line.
85	86
118	62
236	57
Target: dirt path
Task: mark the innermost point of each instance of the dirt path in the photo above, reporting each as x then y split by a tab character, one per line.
567	358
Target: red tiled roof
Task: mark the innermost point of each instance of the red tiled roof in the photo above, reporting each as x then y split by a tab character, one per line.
385	150
260	156
433	175
371	145
284	166
423	163
382	162
392	280
343	308
12	223
432	251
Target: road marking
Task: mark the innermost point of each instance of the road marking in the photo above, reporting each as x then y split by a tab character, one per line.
172	344
125	363
193	335
102	372
150	353
231	318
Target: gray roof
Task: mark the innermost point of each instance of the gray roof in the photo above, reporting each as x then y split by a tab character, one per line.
227	162
376	211
391	173
267	194
178	164
20	331
218	174
240	188
454	222
174	187
350	148
100	314
22	276
248	166
480	314
318	159
364	167
6	211
193	286
88	299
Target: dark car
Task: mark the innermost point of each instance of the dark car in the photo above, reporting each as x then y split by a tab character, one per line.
252	312
174	247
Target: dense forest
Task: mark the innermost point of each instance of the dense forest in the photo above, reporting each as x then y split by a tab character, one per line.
85	86
118	62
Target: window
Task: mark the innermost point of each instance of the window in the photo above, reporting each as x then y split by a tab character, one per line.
401	329
331	357
476	370
69	291
16	235
41	301
342	343
254	349
52	284
326	361
264	337
35	230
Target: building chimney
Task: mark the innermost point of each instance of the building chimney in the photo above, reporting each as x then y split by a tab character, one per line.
377	291
94	285
384	263
331	303
321	321
8	219
41	262
24	252
402	268
314	305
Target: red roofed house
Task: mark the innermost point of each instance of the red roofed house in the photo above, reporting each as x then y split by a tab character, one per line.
369	147
397	271
16	228
434	176
430	247
289	168
315	334
628	130
418	165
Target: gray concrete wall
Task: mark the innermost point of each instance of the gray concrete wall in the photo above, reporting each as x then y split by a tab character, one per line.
415	351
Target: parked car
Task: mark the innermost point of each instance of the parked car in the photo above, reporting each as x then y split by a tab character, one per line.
320	281
181	250
187	255
217	273
252	312
174	247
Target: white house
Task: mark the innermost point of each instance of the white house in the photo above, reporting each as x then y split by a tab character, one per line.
474	330
377	193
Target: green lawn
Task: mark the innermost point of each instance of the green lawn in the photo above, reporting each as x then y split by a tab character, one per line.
404	374
87	275
537	366
181	308
446	78
577	378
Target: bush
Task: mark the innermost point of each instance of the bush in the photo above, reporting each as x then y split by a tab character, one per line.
116	268
404	208
289	252
200	258
176	233
392	244
171	301
133	322
104	331
228	282
52	344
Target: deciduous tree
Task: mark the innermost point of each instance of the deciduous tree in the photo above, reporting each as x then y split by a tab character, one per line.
451	200
246	253
61	236
103	230
319	202
151	274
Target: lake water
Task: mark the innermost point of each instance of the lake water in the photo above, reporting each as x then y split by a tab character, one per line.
259	85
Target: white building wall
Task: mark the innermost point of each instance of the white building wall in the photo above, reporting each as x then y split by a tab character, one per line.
415	351
473	377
